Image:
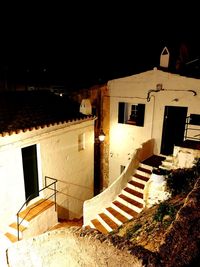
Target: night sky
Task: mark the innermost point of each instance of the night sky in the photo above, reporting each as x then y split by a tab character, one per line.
84	44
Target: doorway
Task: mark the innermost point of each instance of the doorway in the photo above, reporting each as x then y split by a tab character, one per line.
30	169
173	128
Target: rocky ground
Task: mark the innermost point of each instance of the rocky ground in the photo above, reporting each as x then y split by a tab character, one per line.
165	235
150	226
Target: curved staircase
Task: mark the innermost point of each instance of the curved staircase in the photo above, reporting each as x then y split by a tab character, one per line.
130	201
126	205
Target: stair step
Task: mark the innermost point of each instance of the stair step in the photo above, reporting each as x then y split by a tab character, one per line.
171	158
121	211
136	184
145	166
131	201
144	170
27	215
141	177
167	163
133	192
167	168
126	209
99	226
132	196
35	209
11	237
109	221
21	227
118	215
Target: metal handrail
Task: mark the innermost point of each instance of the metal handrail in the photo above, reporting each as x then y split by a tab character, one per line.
194	137
29	198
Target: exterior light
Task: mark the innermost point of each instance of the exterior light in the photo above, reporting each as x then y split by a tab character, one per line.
102	136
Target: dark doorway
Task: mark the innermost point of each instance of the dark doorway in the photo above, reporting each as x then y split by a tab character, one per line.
173	128
29	157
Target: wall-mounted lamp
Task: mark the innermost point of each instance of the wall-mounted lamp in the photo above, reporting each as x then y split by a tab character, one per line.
102	136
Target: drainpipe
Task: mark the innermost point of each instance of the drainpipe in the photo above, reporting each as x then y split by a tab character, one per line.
158	89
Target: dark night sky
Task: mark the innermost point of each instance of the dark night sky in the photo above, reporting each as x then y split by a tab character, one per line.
80	45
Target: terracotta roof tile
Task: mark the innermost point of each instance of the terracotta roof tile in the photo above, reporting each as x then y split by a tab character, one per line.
23	111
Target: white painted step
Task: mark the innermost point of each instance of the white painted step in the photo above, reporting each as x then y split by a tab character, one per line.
129	205
148	167
140	190
110	215
108	228
166	163
170	158
128	216
138	180
138	199
92	225
13	231
165	167
143	173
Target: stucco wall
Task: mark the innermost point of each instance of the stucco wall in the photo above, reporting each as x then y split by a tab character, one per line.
72	168
134	89
59	158
12	193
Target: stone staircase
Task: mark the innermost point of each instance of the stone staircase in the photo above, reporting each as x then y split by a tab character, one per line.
39	217
168	163
126	205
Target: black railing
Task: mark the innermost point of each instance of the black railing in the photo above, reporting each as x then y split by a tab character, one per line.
47	186
192	126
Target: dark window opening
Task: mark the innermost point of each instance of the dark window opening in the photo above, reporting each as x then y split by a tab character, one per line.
131	114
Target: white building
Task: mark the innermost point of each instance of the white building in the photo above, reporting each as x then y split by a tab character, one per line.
42	137
152	114
159	102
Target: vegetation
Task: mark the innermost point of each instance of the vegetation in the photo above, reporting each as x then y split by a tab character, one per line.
130	232
163	210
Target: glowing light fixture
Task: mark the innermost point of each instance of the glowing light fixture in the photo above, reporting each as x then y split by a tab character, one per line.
102	136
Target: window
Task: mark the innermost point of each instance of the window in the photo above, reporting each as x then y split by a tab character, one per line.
131	114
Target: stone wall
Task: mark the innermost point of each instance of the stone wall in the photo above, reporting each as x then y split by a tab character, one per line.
184	157
100	101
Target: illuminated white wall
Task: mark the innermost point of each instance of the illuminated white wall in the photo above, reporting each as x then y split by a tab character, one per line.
12	194
59	158
73	167
124	138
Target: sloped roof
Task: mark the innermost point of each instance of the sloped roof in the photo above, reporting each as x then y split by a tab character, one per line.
27	110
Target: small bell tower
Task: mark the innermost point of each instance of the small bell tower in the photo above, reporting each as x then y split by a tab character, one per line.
164	58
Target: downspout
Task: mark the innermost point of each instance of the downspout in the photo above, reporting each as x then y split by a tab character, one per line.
159	88
152	116
151	91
